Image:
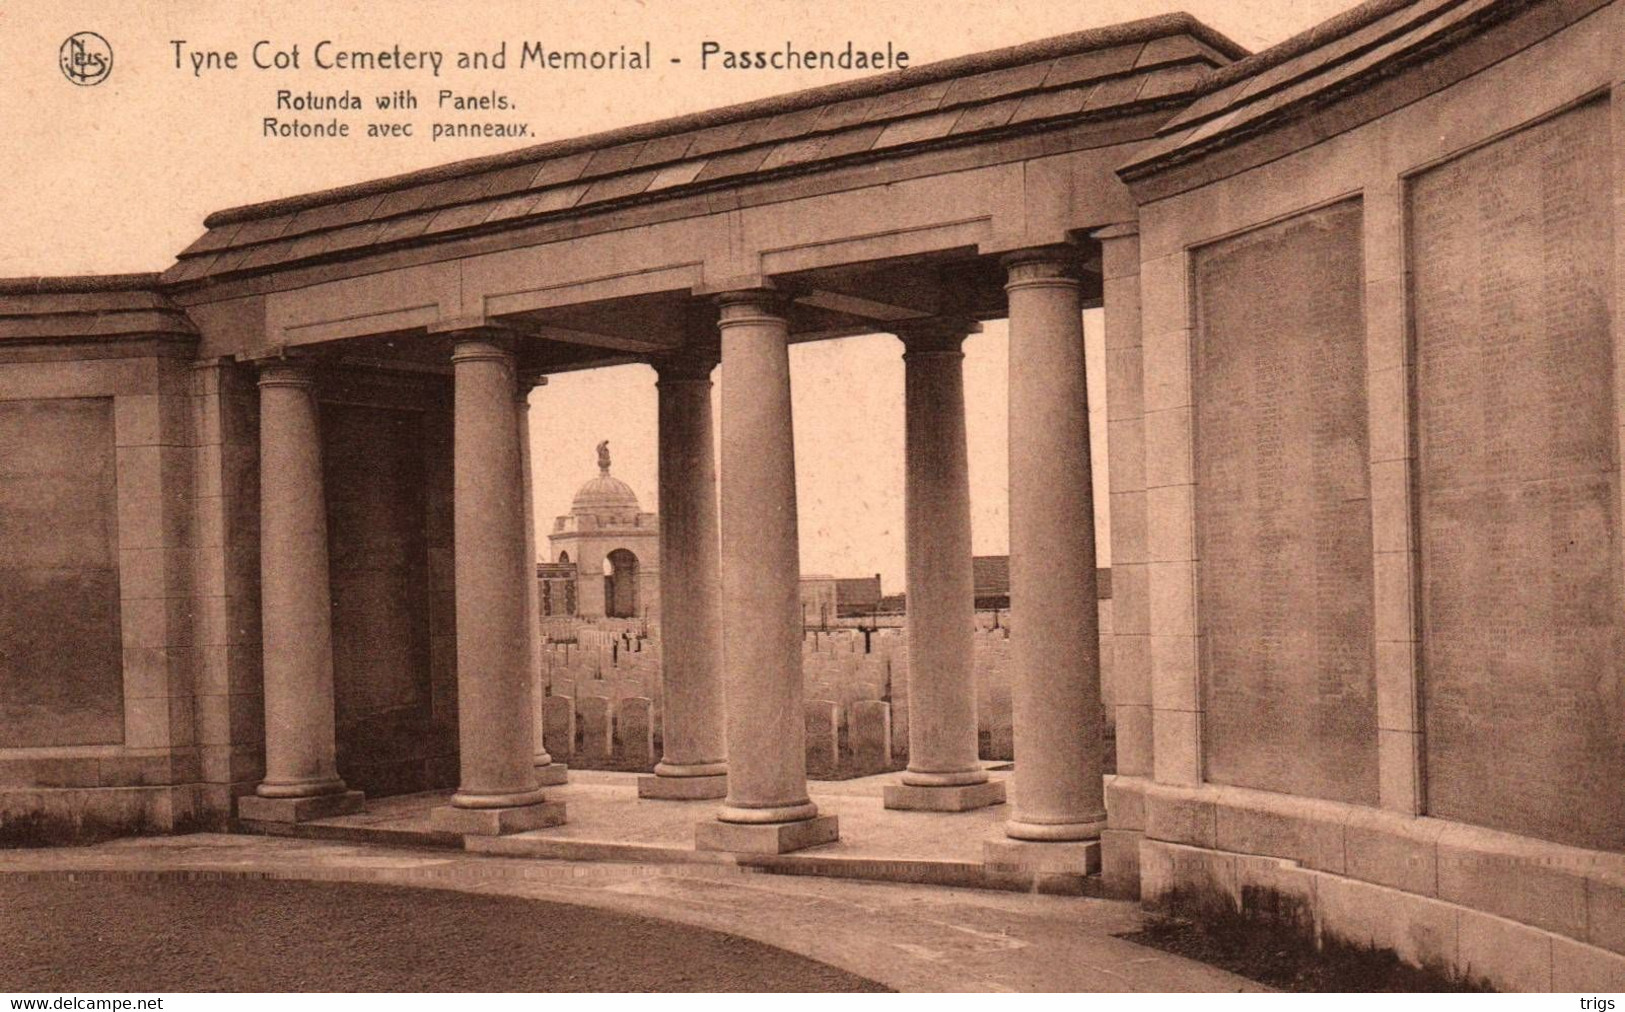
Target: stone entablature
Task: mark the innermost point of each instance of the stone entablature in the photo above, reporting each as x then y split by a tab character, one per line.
99	307
571	524
1123	69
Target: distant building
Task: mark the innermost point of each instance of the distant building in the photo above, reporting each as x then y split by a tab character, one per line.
826	598
857	595
990	580
558	580
606	553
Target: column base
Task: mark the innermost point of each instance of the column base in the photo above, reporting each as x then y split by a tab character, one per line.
766	837
957	798
553	774
1061	832
496	821
964	778
254	808
1064	868
682	788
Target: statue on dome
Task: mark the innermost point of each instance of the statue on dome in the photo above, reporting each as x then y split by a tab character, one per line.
603	457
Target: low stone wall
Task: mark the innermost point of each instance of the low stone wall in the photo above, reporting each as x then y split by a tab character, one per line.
53	816
1522	914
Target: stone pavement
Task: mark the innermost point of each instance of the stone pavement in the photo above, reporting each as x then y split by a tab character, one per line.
609	822
909	937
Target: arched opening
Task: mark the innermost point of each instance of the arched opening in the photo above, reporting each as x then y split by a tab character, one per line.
621	584
564	558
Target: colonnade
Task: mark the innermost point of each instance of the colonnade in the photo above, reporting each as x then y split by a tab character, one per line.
730	576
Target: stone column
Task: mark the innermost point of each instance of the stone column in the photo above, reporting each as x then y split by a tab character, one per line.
693	763
1055	642
499	791
767	808
548	772
944	772
301	773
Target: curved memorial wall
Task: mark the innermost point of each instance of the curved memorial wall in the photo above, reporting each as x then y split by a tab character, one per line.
1381	417
1283	506
1517	483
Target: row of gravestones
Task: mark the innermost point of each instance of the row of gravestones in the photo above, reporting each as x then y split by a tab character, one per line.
865	747
600	729
578	661
850	641
595	729
617	686
843	680
837	671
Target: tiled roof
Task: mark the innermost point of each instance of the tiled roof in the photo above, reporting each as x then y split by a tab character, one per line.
1098	73
858	590
1313	68
990	575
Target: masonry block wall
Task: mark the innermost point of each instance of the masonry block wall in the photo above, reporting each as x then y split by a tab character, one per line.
131	690
97	725
1381	427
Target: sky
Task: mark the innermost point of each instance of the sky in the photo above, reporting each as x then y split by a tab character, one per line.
118	178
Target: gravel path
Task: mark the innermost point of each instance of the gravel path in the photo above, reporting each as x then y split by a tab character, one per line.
264	935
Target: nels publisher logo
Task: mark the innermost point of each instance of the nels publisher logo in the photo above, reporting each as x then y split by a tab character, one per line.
86	58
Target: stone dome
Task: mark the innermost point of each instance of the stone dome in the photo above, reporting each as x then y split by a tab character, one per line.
606	495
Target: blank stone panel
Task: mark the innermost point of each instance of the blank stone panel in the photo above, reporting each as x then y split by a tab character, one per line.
1518	496
1283	509
374	472
61	657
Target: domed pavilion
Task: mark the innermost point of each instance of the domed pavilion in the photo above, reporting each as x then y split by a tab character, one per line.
607	532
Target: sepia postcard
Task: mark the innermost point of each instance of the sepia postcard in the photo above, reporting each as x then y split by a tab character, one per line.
891	496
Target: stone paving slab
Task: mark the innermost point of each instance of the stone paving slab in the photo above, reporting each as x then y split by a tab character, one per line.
605	810
914	938
608	821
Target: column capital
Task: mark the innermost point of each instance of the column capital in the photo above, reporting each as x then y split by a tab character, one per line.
482	343
752	305
686	366
1042	267
287	372
935	335
476	330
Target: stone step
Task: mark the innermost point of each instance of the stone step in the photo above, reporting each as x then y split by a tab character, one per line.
910	871
537	844
388	836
